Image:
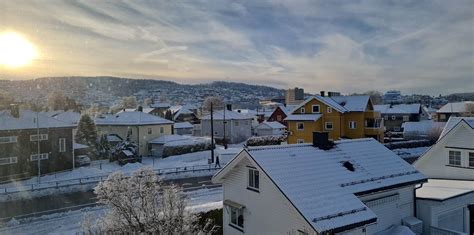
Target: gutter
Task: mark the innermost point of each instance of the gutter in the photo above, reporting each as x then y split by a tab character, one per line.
414	198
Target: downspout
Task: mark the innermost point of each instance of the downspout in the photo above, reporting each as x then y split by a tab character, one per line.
414	199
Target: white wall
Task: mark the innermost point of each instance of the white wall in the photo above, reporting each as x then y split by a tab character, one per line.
266	212
235	133
434	163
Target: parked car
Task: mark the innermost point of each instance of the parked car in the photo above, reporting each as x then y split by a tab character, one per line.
82	160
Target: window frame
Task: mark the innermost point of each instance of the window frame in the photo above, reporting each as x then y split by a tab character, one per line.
235	223
150	130
302	110
9	139
162	130
326	126
406	118
253	179
41	137
11	160
297	126
315	105
452	162
62	145
329	109
352	127
470	159
300	141
42	156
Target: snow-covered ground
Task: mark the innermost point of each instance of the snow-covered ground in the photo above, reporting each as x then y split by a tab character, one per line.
70	222
85	178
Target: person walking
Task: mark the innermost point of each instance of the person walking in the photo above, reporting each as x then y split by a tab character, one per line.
218	163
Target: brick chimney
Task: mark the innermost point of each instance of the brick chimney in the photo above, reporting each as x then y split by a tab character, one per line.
322	93
321	140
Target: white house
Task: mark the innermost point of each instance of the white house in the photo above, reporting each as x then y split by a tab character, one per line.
270	128
445	203
421	129
356	187
456	109
183	128
238	127
452	157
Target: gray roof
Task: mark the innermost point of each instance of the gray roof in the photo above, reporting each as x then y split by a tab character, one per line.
27	120
457	107
453	121
229	115
130	119
398	108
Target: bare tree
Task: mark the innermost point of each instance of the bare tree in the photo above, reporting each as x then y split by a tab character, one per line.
129	102
142	204
469	109
434	133
217	104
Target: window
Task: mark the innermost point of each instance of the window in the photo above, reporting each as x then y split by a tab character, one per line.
149	131
406	118
300	126
455	158
302	232
236	217
352	125
279	118
471	159
328	125
8	160
41	137
62	145
303	110
329	110
315	108
8	139
42	156
394	117
162	130
236	123
300	141
254	179
386	118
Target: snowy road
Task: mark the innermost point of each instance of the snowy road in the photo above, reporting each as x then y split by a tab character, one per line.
69	222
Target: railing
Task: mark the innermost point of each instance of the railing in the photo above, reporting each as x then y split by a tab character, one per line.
98	178
443	231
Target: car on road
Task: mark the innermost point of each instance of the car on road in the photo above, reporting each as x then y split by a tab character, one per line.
82	160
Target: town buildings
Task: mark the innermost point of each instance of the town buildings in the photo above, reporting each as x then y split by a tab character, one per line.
232	126
270	128
137	126
456	109
294	96
20	132
347	117
351	187
395	115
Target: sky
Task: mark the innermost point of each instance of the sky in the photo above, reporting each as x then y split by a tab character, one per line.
348	46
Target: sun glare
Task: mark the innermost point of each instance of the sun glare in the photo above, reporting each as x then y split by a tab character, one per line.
15	50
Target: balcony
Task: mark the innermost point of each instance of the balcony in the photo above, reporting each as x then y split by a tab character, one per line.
374	126
443	231
371	115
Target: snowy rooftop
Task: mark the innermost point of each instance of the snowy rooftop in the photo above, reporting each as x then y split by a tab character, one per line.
131	118
271	125
177	140
453	121
288	109
160	105
354	103
457	107
423	126
302	171
68	116
302	117
181	125
437	189
27	120
398	108
229	115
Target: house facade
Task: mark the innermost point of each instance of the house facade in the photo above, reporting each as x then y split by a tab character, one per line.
285	189
446	202
237	126
20	132
140	127
270	128
280	113
348	117
395	115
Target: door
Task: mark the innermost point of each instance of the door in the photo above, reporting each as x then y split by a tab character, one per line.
471	219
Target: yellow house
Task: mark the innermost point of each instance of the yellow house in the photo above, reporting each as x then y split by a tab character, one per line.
346	117
141	127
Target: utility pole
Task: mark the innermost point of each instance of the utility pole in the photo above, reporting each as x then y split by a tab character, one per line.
223	123
212	135
38	141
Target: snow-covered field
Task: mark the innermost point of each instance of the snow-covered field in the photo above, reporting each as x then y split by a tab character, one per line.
70	222
85	178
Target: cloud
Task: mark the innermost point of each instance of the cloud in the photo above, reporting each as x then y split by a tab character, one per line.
346	46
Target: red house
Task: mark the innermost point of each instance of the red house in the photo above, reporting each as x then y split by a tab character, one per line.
280	113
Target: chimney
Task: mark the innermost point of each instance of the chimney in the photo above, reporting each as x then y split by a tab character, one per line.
140	108
15	110
321	140
322	93
229	107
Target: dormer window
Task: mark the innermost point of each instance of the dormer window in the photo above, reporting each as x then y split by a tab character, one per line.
303	110
253	180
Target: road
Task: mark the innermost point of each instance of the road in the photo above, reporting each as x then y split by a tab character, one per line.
76	200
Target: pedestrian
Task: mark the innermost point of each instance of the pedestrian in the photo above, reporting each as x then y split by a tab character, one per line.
218	163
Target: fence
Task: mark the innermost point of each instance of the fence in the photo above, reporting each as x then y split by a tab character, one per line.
98	178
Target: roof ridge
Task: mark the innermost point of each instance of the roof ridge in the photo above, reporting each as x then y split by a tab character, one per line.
288	146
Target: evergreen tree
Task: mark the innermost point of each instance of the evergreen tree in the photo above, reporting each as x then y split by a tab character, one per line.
168	115
86	132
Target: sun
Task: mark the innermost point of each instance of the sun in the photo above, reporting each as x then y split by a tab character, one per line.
15	50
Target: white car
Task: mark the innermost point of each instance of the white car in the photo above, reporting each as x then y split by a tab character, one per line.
83	160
